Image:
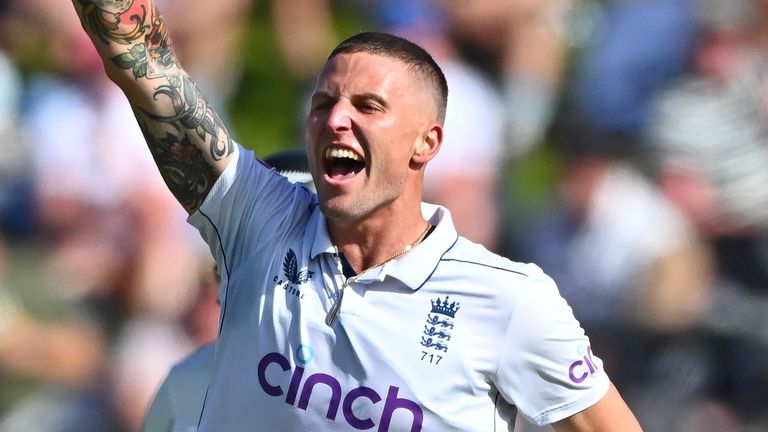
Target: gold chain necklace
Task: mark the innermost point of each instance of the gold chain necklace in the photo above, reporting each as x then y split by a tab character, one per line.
337	305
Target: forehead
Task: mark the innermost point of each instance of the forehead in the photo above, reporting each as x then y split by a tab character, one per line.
364	72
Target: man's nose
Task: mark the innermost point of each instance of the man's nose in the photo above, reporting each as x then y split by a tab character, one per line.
340	116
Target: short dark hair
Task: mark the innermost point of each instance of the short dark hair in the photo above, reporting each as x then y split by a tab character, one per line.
414	56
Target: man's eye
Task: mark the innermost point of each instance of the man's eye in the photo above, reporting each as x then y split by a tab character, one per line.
369	108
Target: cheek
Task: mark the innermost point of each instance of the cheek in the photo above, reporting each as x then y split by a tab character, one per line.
311	126
395	165
316	120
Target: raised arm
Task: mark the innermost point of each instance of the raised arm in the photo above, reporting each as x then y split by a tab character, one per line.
186	137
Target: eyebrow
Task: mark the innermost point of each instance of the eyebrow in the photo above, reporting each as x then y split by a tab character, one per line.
324	94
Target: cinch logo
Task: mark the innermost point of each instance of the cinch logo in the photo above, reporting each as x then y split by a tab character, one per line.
300	389
581	369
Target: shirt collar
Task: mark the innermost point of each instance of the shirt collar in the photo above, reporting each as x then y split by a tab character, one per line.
413	268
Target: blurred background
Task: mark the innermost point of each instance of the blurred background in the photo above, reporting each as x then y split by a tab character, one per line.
622	145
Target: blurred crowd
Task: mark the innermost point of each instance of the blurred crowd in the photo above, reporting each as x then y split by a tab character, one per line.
622	145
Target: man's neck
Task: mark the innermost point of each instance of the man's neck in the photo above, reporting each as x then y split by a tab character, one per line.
368	245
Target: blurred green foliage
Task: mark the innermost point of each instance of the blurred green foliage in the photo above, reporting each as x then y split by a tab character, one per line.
265	114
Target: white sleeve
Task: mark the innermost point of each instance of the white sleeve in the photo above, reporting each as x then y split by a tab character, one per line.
248	208
547	368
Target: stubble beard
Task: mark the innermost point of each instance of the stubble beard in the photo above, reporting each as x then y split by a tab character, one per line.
350	210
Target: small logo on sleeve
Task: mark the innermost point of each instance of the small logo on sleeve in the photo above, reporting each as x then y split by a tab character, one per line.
581	369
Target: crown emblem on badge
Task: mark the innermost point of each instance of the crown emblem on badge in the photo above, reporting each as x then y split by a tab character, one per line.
444	307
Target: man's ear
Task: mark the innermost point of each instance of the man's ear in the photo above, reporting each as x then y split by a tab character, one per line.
429	145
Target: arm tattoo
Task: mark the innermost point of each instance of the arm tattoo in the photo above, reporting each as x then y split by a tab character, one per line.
182	164
104	18
152	58
194	112
187	143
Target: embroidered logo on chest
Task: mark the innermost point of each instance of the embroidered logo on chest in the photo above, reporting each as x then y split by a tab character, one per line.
293	275
437	330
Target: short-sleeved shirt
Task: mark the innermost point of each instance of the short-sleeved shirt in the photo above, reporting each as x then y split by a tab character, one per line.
448	337
177	403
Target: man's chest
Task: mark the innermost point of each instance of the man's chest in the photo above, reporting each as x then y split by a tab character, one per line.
392	354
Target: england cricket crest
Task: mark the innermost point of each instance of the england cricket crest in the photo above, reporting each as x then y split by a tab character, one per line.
440	321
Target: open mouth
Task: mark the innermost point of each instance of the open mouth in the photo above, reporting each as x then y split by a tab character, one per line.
341	164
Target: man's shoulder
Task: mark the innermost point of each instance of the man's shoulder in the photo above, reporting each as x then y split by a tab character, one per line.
197	363
469	256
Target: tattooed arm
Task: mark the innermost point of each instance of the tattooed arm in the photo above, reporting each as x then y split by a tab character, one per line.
187	139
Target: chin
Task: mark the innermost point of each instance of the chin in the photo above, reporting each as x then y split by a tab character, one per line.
333	209
339	212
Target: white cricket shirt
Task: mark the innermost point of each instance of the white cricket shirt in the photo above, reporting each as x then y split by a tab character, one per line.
177	403
445	338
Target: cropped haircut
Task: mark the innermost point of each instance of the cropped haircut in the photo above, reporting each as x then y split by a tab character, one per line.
414	56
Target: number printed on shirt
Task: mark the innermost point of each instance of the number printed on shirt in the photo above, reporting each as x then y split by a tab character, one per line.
431	358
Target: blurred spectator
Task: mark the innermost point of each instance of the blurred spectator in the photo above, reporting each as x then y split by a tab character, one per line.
714	123
639	47
117	251
67	357
521	47
147	348
303	51
522	44
17	215
710	134
180	398
64	356
632	268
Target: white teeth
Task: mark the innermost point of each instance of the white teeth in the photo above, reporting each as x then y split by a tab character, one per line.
341	153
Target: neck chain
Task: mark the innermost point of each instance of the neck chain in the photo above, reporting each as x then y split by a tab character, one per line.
337	305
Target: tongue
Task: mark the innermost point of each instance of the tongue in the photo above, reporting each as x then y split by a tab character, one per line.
342	169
